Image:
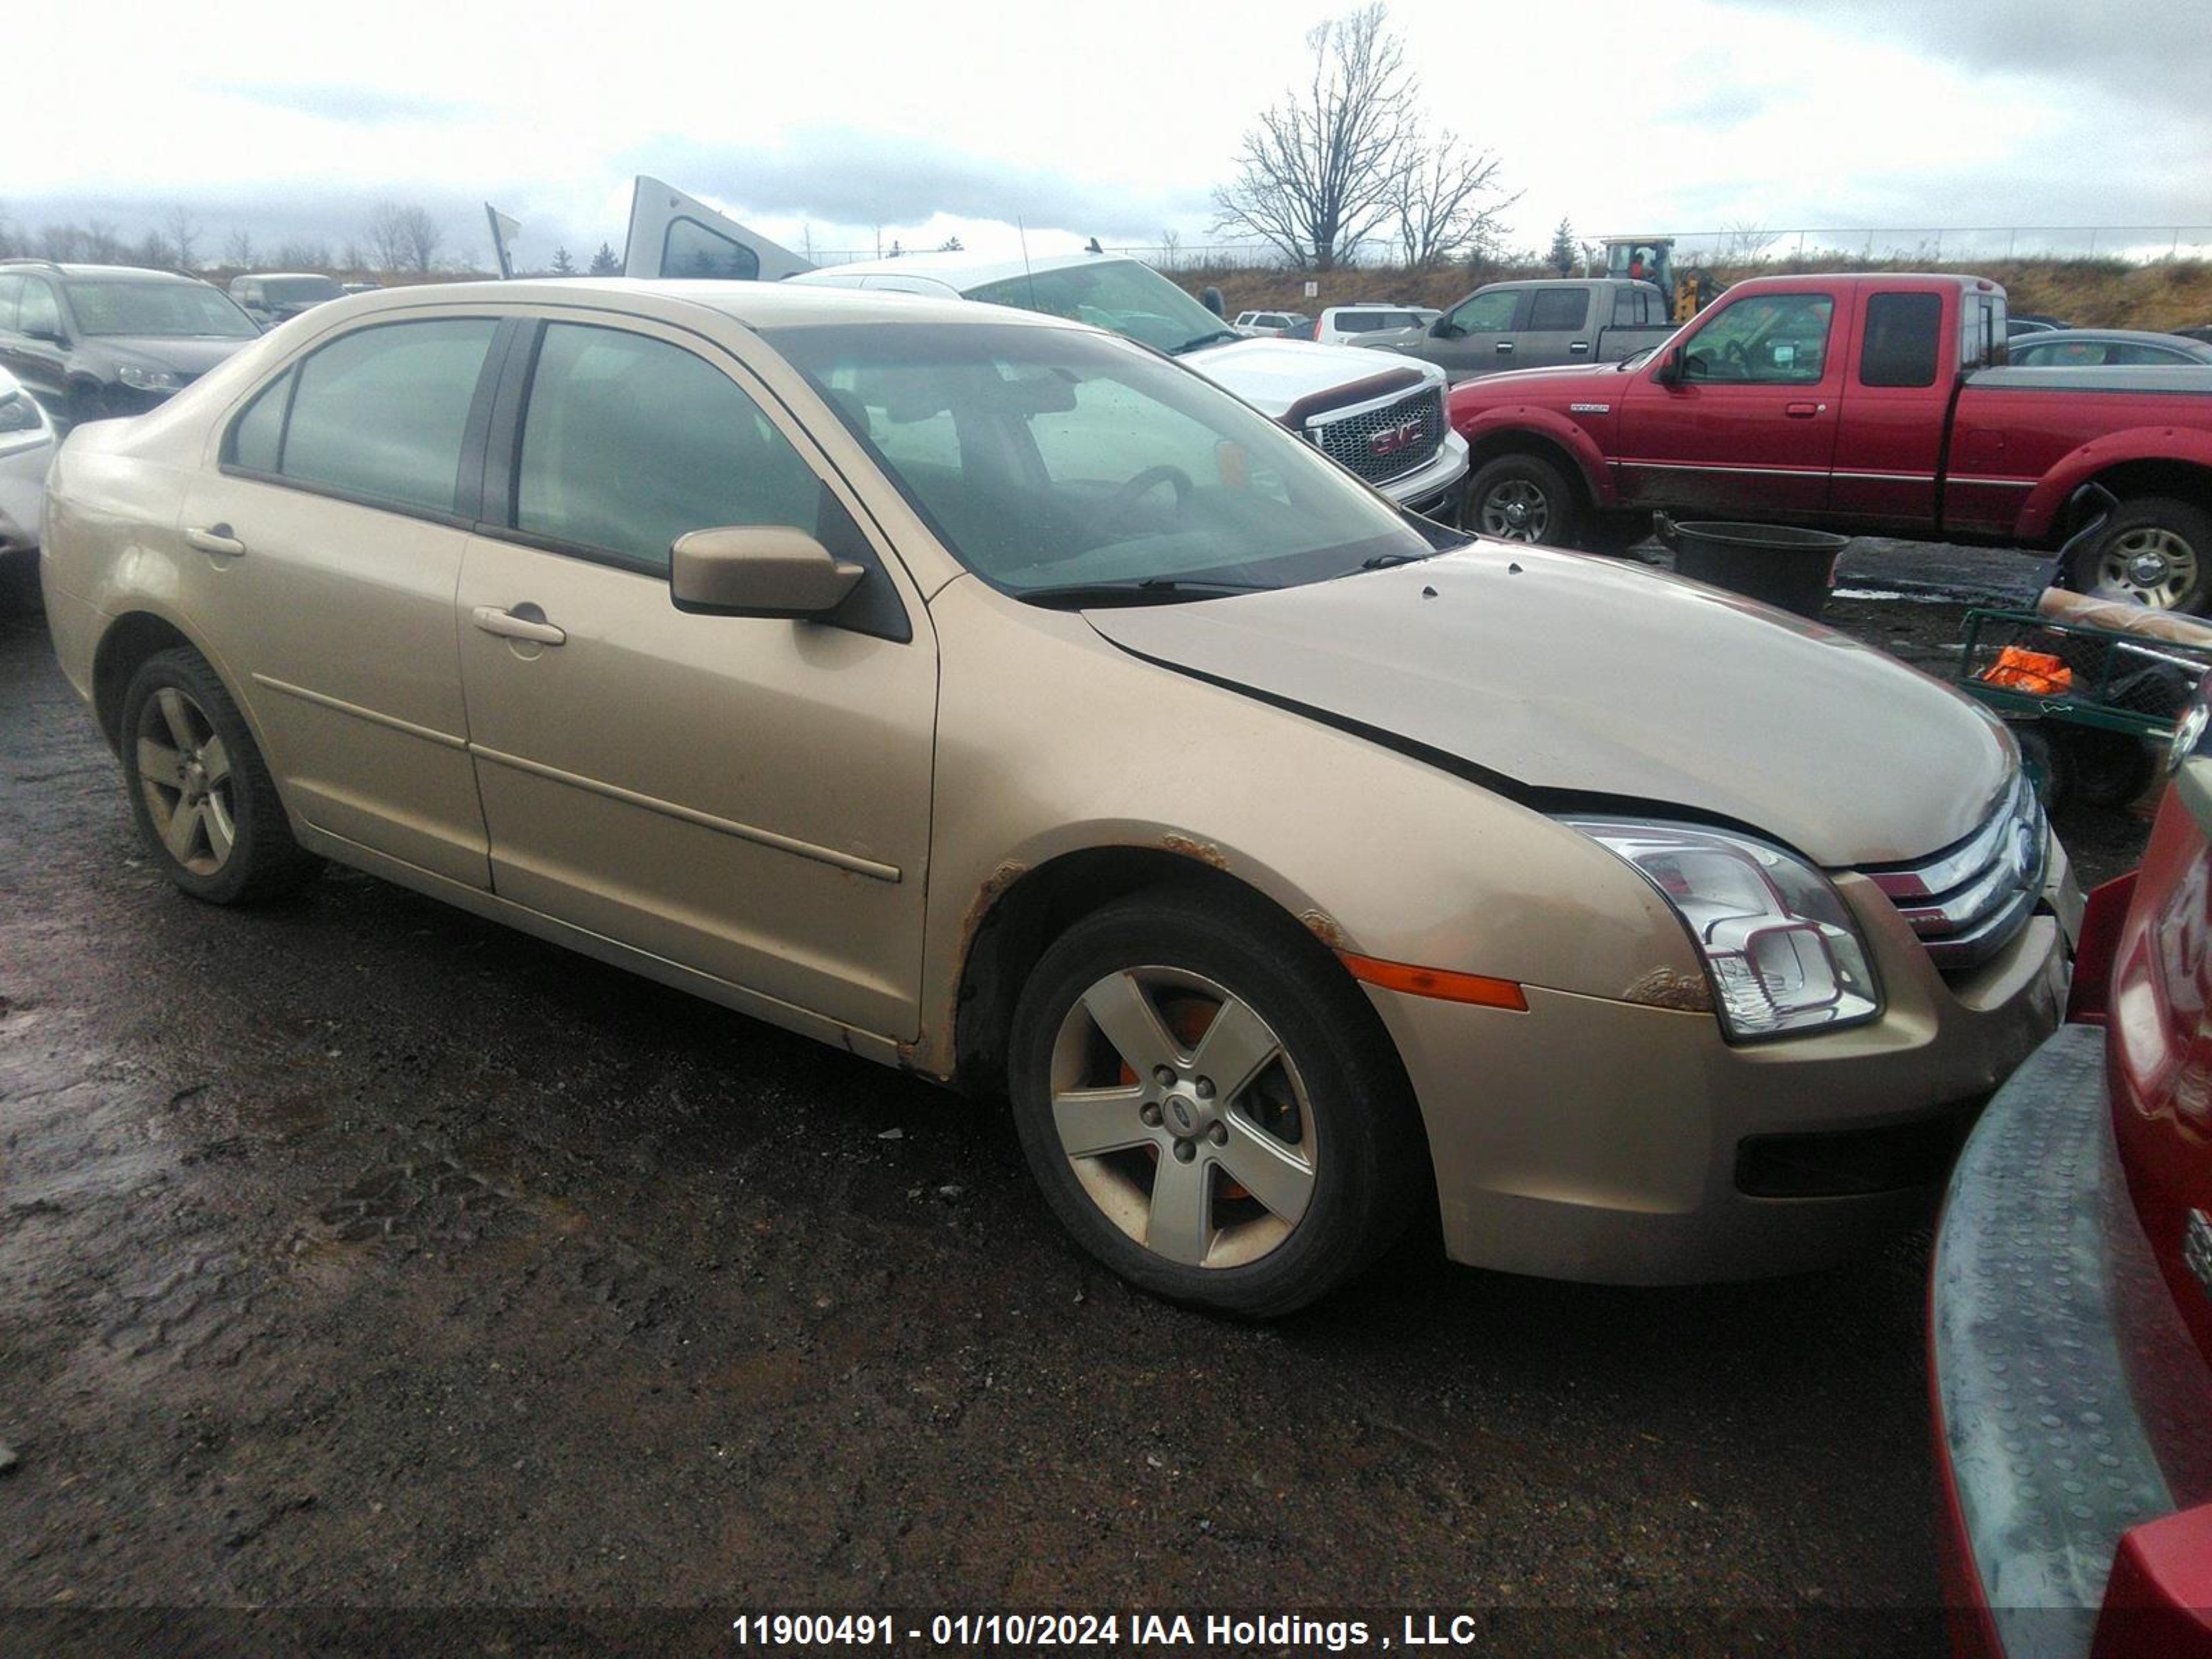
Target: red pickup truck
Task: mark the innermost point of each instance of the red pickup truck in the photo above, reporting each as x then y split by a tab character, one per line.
1871	403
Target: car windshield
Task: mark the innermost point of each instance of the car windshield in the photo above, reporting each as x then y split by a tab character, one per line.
299	290
174	310
1119	294
1068	467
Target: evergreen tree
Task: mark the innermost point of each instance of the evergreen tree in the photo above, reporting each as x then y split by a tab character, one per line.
1564	255
604	263
562	264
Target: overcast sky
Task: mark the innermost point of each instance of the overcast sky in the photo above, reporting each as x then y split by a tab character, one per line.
833	120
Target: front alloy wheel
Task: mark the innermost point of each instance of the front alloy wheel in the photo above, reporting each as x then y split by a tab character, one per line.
1182	1117
1210	1104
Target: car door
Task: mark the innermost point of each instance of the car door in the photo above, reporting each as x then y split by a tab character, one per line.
324	547
1889	441
1750	425
11	296
1557	327
40	347
746	797
1473	338
675	236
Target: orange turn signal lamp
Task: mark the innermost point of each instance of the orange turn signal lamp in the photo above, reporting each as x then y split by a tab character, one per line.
1478	988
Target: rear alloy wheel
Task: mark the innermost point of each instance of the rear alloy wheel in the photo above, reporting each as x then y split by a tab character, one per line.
206	804
1209	1105
1520	498
2156	551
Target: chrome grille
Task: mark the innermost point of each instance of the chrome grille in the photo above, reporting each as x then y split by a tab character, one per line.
1967	902
1387	442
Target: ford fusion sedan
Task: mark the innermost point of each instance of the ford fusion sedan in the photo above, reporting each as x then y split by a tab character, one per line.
95	341
27	447
981	693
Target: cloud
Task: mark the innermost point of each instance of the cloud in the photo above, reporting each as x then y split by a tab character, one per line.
352	105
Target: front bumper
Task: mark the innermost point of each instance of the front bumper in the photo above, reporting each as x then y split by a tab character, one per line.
1611	1140
2070	1406
1434	491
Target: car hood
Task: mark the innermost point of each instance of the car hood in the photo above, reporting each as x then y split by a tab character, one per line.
1273	374
1572	678
181	356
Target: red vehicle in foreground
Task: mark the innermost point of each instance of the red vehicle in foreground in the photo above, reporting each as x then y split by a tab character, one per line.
1876	403
2070	1300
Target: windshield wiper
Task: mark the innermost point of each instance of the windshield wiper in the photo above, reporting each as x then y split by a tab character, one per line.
1204	339
1384	561
1079	596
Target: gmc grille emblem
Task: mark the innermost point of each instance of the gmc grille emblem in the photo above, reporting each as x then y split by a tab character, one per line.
1391	439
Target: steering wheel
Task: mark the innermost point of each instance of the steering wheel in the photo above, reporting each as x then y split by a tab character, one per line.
1733	352
1150	478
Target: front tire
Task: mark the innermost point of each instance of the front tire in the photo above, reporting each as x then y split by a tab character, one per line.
1520	498
2156	551
1210	1105
206	804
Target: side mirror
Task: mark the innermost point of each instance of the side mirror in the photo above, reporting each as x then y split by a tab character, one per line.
758	570
1444	329
1669	372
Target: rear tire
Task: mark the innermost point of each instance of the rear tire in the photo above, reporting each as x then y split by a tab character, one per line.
1521	498
205	805
2107	769
2156	551
1251	1193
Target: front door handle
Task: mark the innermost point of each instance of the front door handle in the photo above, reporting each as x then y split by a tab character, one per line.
1578	345
508	626
1505	345
1802	412
215	539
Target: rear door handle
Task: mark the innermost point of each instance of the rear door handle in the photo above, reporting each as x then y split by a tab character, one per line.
1803	411
508	626
215	538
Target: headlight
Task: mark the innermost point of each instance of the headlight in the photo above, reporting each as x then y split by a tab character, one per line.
147	380
1777	941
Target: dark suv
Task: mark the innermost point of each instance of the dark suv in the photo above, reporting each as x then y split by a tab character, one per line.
90	341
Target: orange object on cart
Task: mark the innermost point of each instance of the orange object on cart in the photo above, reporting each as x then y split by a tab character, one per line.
2036	672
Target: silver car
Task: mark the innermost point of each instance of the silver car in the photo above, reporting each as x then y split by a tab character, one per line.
27	447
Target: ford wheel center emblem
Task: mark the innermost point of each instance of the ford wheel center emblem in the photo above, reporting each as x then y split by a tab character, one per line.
1391	439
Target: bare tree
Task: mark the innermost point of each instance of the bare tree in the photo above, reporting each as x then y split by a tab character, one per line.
1170	248
1745	242
403	237
238	250
1320	170
1447	200
11	239
184	233
302	253
155	252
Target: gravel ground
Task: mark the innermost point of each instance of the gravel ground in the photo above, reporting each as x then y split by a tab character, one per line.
357	1254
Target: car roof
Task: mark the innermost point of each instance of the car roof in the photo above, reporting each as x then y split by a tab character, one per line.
2110	336
753	305
964	269
284	276
123	273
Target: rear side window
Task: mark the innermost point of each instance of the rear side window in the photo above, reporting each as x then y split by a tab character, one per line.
691	249
628	442
380	413
1559	309
257	437
1904	340
1358	322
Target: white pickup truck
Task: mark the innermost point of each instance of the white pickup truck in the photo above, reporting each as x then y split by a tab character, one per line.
1381	419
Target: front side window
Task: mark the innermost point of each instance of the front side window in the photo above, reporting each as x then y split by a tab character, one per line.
1117	295
690	249
1486	314
379	412
177	310
1767	339
628	442
1559	309
1904	336
1048	459
299	290
11	294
